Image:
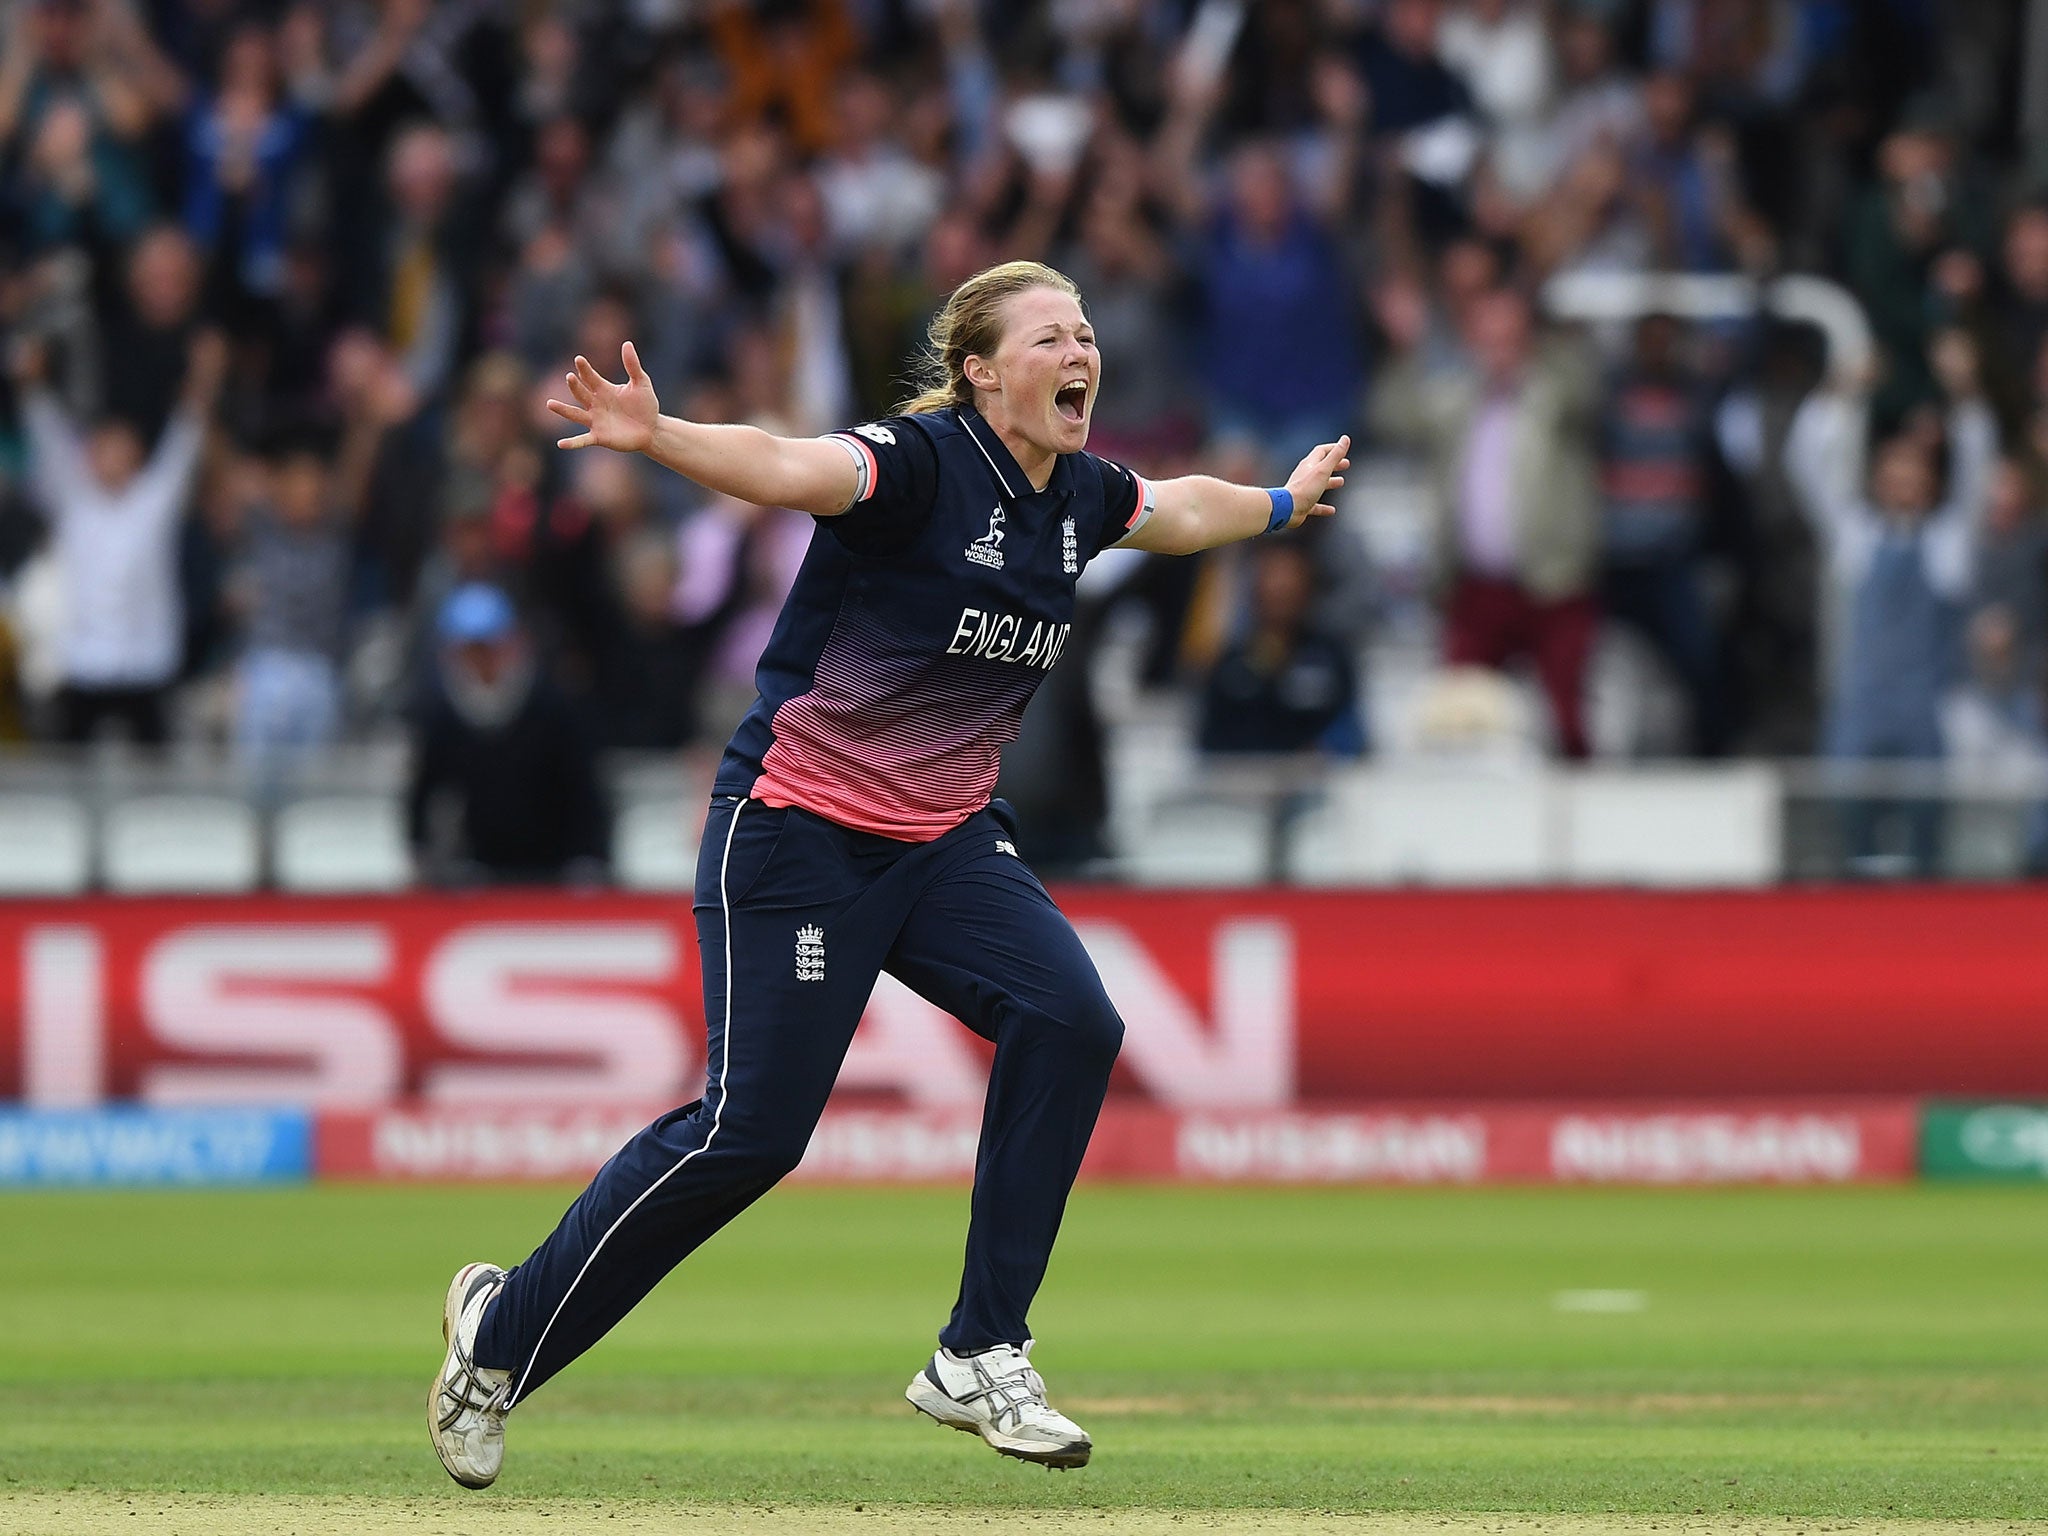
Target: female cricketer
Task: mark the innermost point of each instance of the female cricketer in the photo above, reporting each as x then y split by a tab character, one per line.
851	833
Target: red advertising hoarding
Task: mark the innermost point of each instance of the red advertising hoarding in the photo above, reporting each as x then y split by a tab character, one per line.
1819	1142
1234	1000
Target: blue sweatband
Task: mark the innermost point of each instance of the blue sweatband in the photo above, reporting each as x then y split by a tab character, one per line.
1283	508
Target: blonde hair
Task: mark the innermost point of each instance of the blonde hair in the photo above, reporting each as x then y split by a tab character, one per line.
970	324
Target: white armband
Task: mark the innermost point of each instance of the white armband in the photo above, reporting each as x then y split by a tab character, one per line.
1142	515
866	471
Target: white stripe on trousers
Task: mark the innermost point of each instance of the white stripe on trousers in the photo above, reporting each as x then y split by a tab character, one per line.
717	1115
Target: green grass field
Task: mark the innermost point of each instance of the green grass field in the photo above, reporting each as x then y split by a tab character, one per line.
1870	1354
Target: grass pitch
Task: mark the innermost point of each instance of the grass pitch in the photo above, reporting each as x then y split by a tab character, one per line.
1586	1361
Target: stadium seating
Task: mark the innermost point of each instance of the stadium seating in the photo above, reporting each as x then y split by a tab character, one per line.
654	845
340	843
1418	821
166	843
1436	824
1202	842
1681	827
45	846
1474	825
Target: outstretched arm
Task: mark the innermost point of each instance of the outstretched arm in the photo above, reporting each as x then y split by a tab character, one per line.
1957	524
1824	461
56	457
1200	512
167	477
809	474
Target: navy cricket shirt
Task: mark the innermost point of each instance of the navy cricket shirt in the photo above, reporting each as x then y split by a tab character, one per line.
920	624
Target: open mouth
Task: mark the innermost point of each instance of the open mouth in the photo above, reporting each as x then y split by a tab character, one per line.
1071	401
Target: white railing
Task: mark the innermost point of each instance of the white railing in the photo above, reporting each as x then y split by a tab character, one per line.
1798	296
118	821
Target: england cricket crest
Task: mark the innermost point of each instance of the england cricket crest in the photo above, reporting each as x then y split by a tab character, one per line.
810	953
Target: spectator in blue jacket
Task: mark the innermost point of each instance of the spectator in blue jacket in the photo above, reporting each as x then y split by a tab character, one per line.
1280	334
243	144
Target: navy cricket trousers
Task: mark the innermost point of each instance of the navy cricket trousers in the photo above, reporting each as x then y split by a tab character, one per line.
796	917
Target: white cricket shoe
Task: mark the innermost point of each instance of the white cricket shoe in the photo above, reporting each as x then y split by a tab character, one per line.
998	1396
466	1404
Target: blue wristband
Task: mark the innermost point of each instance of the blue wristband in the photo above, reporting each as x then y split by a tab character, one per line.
1283	508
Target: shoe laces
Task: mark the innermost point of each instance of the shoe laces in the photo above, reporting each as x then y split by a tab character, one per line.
464	1390
1019	1394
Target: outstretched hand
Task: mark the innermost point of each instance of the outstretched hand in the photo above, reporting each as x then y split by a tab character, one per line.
620	416
1315	477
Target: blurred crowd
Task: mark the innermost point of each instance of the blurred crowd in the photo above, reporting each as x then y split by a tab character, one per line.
286	284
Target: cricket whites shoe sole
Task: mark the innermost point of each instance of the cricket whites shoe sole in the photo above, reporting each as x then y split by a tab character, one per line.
999	1396
466	1404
